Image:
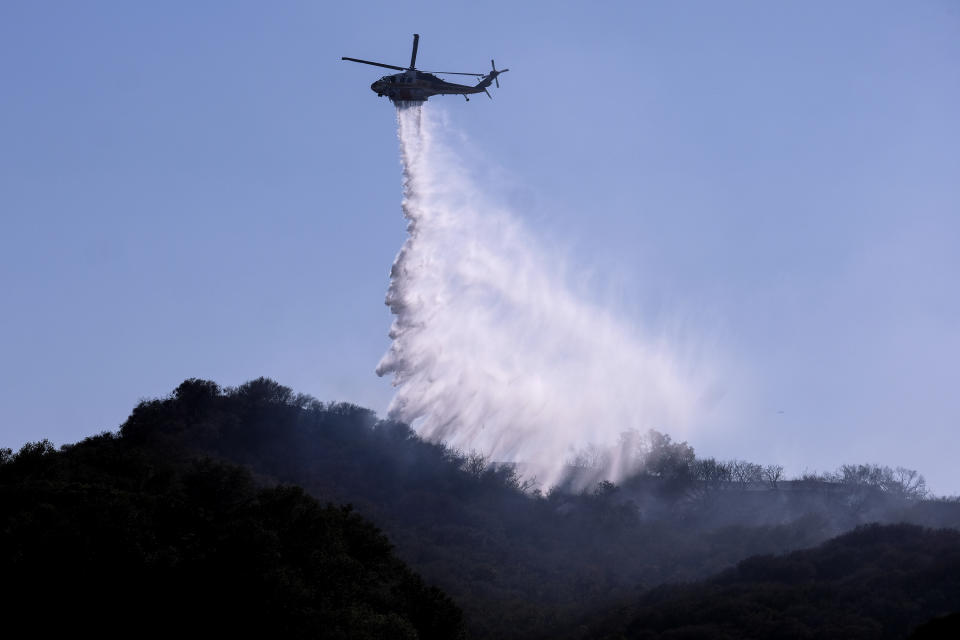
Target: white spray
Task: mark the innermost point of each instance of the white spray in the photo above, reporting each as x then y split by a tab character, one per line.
492	352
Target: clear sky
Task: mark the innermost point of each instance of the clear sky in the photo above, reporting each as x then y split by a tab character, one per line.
203	189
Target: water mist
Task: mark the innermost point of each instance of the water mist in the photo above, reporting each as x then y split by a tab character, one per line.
492	351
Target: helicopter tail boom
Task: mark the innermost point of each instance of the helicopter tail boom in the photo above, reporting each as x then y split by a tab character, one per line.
491	77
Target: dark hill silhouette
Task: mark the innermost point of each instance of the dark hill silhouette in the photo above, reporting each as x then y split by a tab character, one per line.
107	538
519	562
161	517
939	628
875	582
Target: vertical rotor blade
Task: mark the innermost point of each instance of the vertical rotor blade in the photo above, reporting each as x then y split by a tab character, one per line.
413	56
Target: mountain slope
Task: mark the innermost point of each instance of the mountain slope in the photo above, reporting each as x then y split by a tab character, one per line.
875	582
186	522
111	538
519	563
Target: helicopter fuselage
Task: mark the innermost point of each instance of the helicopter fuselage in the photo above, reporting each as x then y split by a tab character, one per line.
419	86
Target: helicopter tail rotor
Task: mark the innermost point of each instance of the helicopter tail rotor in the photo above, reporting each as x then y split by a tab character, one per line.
496	73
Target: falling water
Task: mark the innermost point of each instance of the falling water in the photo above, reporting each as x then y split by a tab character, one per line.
492	351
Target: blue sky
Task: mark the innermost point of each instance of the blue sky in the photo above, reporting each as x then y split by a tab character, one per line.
206	190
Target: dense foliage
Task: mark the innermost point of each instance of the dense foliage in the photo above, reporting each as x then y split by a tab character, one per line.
519	562
938	628
159	527
108	539
875	582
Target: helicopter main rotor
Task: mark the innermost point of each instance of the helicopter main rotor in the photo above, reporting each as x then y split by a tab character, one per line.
413	62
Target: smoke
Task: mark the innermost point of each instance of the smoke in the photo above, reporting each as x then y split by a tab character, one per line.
493	351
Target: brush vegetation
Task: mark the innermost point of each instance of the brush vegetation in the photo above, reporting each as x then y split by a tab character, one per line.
218	510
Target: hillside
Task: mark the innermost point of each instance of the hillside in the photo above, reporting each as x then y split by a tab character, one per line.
110	539
518	562
192	509
875	582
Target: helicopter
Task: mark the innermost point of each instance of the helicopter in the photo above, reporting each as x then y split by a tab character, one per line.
416	86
